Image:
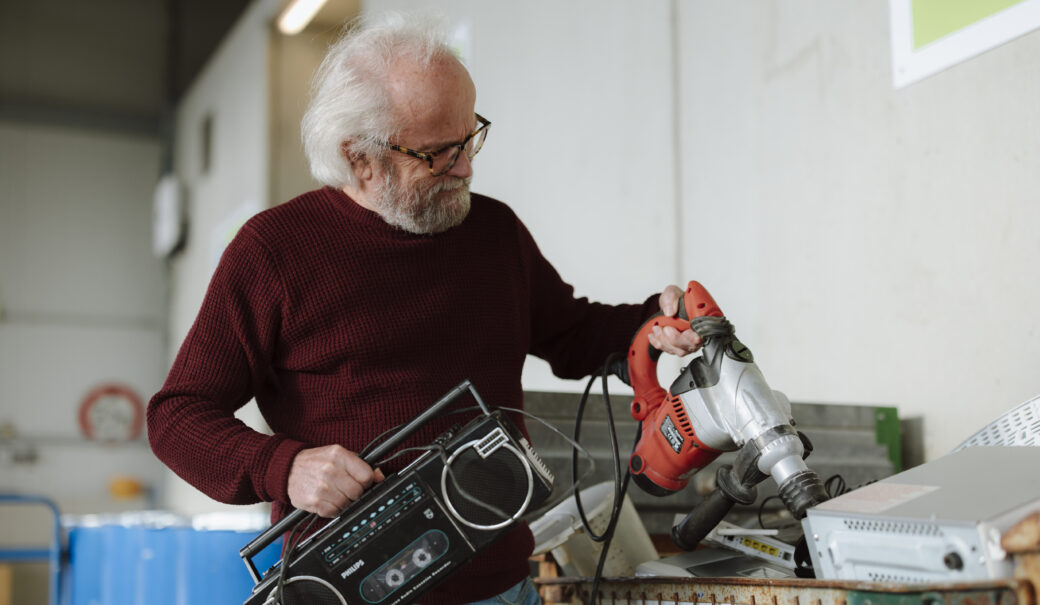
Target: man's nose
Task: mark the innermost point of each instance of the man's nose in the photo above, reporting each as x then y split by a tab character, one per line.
463	167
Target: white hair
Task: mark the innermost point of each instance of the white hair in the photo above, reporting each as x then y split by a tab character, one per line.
349	100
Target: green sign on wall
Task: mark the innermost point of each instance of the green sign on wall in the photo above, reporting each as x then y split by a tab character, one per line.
934	19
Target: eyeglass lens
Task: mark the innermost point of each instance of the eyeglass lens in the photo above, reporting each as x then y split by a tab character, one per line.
443	162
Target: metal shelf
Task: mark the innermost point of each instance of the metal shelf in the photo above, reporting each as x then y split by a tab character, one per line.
51	555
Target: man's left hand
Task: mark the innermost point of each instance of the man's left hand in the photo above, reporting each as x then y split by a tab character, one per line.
667	338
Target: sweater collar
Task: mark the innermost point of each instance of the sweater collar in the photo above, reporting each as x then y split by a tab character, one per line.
370	219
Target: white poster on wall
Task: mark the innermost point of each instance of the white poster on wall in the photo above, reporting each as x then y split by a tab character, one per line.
929	36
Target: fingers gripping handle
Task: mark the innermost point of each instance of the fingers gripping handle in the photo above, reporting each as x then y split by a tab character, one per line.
643	357
642	365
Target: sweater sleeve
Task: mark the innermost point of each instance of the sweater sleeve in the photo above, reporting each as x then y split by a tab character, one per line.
573	334
225	361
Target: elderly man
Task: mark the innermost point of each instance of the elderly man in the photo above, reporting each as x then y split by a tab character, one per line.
349	309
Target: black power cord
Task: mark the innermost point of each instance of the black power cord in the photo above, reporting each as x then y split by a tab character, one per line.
295	536
620	483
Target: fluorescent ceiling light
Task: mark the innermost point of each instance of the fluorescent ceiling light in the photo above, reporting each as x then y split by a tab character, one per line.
297	15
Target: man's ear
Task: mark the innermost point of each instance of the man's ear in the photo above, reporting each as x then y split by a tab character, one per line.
359	162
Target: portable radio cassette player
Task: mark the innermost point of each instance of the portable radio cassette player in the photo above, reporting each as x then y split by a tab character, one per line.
409	532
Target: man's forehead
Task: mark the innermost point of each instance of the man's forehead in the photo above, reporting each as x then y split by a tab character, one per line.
433	103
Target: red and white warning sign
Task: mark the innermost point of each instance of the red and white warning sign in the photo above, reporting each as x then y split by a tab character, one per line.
111	412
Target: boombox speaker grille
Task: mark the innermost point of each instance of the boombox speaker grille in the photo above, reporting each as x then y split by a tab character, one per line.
502	479
307	590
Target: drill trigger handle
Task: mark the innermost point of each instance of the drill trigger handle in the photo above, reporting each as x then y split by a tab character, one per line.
643	357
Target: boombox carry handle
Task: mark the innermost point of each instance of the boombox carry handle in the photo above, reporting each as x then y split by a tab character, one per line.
285	524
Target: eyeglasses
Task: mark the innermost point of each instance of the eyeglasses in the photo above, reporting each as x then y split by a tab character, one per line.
442	160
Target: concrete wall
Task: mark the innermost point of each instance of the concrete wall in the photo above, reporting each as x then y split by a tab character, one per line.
293	60
887	239
231	94
81	304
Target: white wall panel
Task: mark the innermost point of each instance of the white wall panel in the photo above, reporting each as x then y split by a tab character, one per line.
47	371
75	224
81	304
232	92
887	239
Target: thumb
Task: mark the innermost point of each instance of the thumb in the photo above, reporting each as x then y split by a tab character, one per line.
669	300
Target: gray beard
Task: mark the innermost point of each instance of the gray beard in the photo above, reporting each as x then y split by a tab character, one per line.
417	210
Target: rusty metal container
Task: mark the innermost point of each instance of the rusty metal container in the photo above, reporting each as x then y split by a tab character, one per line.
1021	541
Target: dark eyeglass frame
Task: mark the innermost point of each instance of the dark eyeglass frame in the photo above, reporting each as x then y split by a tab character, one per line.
430	156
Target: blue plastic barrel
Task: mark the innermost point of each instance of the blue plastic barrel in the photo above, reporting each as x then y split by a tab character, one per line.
156	558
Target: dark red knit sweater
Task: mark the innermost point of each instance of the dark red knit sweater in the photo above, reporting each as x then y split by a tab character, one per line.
341	326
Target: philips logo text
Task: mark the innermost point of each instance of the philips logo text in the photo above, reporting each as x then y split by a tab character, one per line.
356	566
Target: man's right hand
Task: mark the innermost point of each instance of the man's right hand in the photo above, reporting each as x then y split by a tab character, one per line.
324	480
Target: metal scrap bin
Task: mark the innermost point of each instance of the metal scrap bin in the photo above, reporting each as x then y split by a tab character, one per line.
740	591
1022	542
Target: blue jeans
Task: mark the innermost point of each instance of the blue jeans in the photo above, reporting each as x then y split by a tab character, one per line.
523	593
